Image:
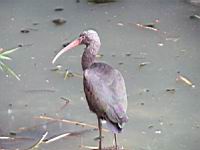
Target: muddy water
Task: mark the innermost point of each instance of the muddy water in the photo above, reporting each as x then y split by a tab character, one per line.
157	119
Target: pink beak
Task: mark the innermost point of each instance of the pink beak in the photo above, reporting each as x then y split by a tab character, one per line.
68	47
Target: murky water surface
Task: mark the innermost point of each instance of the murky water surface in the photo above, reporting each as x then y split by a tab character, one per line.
148	59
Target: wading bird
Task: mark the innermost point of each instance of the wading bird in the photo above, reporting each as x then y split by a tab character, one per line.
104	86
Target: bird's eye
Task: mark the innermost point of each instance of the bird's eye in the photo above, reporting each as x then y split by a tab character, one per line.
82	36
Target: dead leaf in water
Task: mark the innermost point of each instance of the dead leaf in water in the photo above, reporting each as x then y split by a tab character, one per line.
101	1
59	9
171	90
143	64
24	31
59	21
128	54
120	63
27	30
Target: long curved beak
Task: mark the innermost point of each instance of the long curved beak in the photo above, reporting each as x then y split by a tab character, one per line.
68	47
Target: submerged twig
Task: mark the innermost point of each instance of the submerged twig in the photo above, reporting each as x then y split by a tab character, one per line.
66	102
185	80
147	26
65	99
69	122
40	90
139	57
195	17
63	135
89	147
36	145
34	127
174	39
56	137
99	55
14	138
6	138
77	133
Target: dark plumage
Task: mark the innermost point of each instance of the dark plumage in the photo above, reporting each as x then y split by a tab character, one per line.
104	86
106	94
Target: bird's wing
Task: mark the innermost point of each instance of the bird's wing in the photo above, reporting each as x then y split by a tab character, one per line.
109	87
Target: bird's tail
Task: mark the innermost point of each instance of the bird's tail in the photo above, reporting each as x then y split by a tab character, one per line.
117	127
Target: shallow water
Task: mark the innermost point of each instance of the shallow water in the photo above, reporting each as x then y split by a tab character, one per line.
157	119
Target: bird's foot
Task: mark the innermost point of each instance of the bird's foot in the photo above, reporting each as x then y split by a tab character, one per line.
98	138
103	148
112	148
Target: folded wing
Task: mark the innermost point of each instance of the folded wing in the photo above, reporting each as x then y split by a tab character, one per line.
109	98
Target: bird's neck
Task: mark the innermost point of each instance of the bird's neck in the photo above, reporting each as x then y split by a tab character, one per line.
89	55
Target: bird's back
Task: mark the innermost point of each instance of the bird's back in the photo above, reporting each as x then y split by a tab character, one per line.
106	95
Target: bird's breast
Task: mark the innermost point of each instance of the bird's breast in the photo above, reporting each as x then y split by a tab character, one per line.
94	101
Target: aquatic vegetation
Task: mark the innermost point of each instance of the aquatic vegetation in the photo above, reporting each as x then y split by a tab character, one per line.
4	55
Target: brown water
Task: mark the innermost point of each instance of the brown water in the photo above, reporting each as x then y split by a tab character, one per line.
158	120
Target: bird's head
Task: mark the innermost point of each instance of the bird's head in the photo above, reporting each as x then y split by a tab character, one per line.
89	37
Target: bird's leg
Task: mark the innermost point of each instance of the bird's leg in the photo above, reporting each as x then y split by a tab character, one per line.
115	136
100	126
